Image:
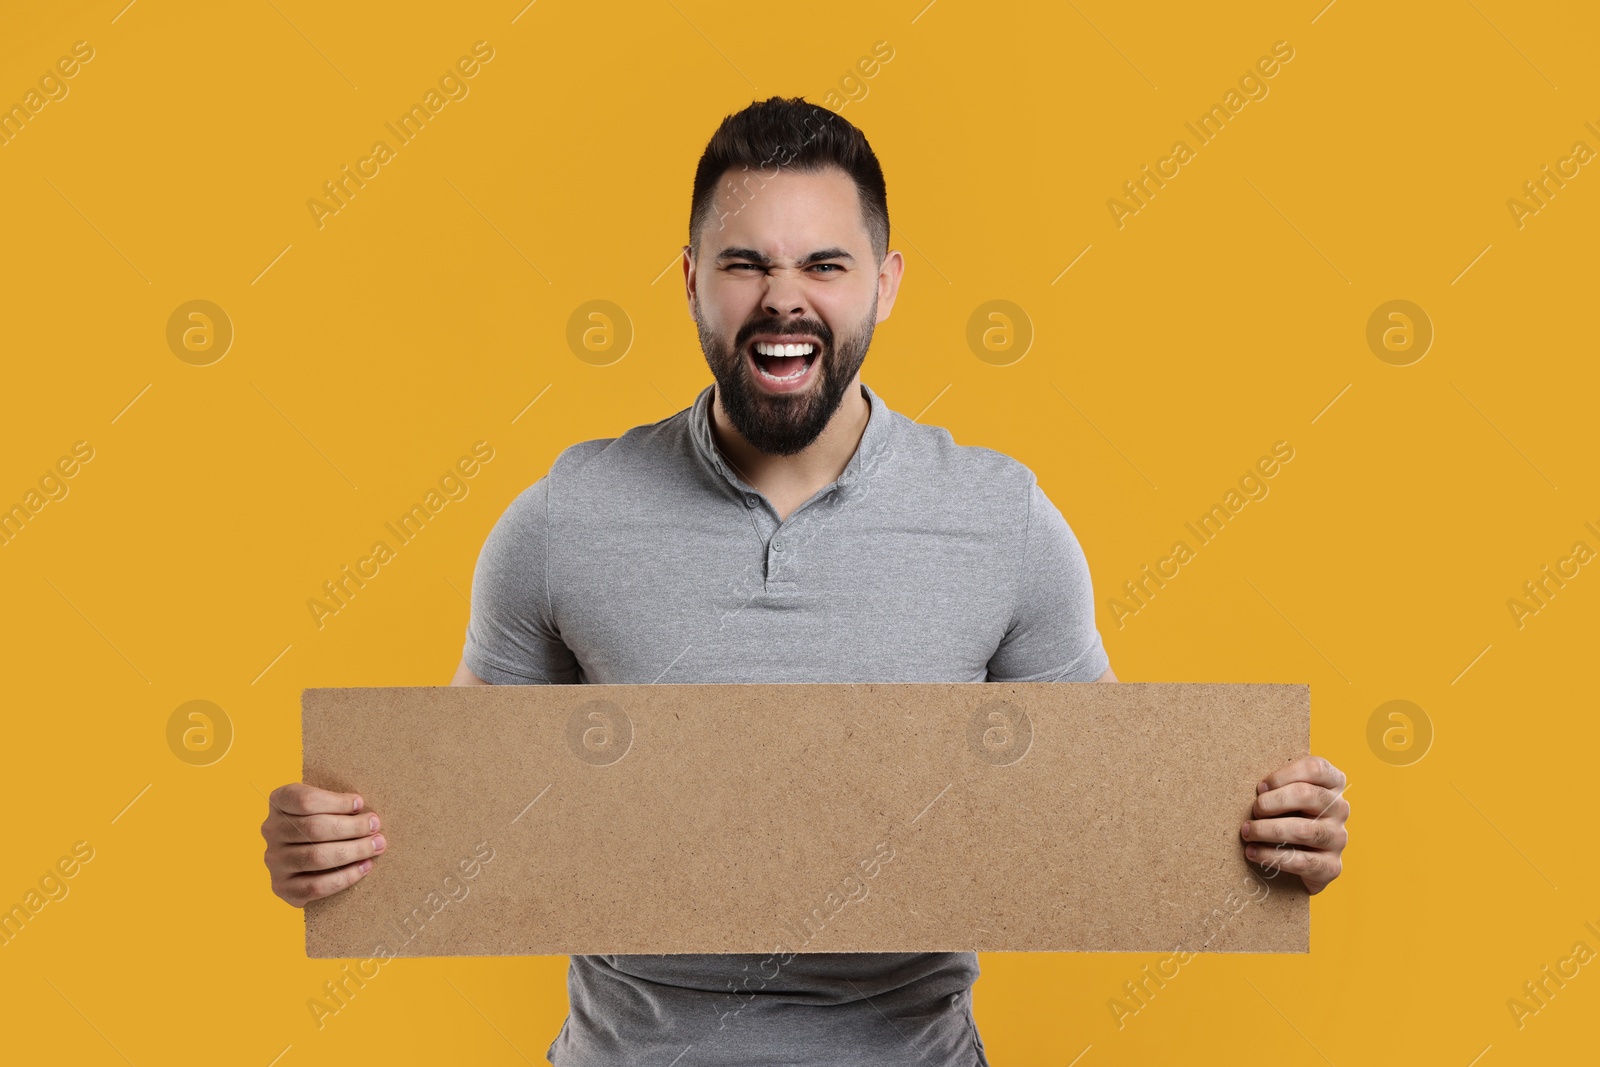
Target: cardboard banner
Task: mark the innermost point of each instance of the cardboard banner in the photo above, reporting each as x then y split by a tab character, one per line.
992	817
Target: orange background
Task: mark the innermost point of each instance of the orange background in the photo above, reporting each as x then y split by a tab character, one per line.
1229	312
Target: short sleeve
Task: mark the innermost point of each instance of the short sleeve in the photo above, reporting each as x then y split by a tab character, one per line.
510	638
1052	636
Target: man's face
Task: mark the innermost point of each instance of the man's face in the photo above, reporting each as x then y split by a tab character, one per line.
789	263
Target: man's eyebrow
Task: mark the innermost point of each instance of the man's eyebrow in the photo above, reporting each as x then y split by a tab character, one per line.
758	257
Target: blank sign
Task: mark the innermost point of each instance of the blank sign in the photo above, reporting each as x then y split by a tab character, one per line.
994	817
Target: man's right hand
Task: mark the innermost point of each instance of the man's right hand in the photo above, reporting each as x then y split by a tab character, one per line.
317	842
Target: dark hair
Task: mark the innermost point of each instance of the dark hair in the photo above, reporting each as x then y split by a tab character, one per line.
789	134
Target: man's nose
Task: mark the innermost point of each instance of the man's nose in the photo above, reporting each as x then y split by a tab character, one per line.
783	296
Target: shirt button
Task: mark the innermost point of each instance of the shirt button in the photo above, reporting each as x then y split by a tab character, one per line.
749	500
777	546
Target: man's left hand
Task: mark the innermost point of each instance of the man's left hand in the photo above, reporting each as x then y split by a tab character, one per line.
1299	814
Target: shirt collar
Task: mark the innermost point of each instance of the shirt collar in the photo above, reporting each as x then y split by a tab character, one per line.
868	454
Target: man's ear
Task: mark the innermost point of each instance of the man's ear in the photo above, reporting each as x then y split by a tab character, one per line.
689	278
889	275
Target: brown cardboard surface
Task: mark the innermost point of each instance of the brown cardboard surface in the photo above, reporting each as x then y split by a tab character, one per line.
594	819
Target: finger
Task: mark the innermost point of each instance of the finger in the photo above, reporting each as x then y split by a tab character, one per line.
1312	866
280	828
1314	800
1313	769
1309	833
301	889
298	798
327	856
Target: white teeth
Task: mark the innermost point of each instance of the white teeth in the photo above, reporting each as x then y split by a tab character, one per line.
764	349
785	378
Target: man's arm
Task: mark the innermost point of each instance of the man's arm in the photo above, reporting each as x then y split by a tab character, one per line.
1109	676
464	676
511	638
1051	635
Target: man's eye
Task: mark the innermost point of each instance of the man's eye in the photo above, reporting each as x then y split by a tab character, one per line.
832	268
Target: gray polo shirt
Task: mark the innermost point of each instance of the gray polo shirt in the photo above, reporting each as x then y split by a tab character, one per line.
645	559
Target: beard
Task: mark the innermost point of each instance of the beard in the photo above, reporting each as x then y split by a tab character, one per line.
785	423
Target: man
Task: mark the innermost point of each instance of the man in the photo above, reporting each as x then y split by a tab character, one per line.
786	527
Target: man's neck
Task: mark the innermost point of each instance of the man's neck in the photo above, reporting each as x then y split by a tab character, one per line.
795	479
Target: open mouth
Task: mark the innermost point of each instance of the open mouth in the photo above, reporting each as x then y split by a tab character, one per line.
783	367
